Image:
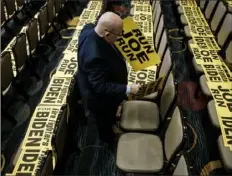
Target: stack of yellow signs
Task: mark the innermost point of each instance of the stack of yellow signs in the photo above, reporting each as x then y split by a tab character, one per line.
219	77
136	45
38	139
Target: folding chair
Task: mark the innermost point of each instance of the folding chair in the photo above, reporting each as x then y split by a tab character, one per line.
203	4
166	64
182	167
47	166
204	87
157	17
225	153
218	16
225	30
22	6
163	45
210	9
60	133
138	115
133	155
159	32
11	11
4	19
212	112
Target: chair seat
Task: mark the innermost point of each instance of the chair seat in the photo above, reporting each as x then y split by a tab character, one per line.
139	153
187	31
150	97
180	10
213	114
139	116
226	154
183	20
204	86
181	168
198	68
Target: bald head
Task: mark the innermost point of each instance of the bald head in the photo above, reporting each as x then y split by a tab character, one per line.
110	21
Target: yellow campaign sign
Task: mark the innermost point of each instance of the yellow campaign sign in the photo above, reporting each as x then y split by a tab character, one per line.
141	77
135	48
188	3
205	56
142	8
150	88
72	46
89	14
206	43
83	22
31	162
56	93
197	24
41	127
94	5
216	73
67	66
222	95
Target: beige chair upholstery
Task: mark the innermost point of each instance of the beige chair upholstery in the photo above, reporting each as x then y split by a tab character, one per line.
166	64
143	153
177	2
140	116
187	31
159	31
204	86
181	167
202	4
180	9
43	21
10	7
144	115
50	10
225	153
183	20
197	68
3	14
209	9
219	13
157	17
213	114
190	42
163	45
32	35
229	53
20	51
57	6
225	30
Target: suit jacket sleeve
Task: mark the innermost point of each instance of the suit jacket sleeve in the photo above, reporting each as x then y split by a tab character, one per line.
98	78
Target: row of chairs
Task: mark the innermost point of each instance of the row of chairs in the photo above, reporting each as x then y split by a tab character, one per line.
30	54
218	15
153	142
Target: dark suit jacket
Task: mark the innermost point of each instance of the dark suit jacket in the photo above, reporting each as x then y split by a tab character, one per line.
102	72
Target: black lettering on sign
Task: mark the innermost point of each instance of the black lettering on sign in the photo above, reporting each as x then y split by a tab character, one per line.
227	123
72	47
221	73
212	73
85	14
137	48
29	161
57	91
132	76
38	125
68	66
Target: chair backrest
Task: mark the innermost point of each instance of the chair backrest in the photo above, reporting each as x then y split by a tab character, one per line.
163	45
159	31
225	154
157	14
3	15
203	5
6	70
168	96
57	6
219	13
50	10
47	167
10	7
229	53
43	21
182	167
225	30
174	135
20	3
60	133
20	51
210	8
166	64
32	35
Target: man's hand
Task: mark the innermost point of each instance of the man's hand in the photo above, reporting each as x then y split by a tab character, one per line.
133	88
